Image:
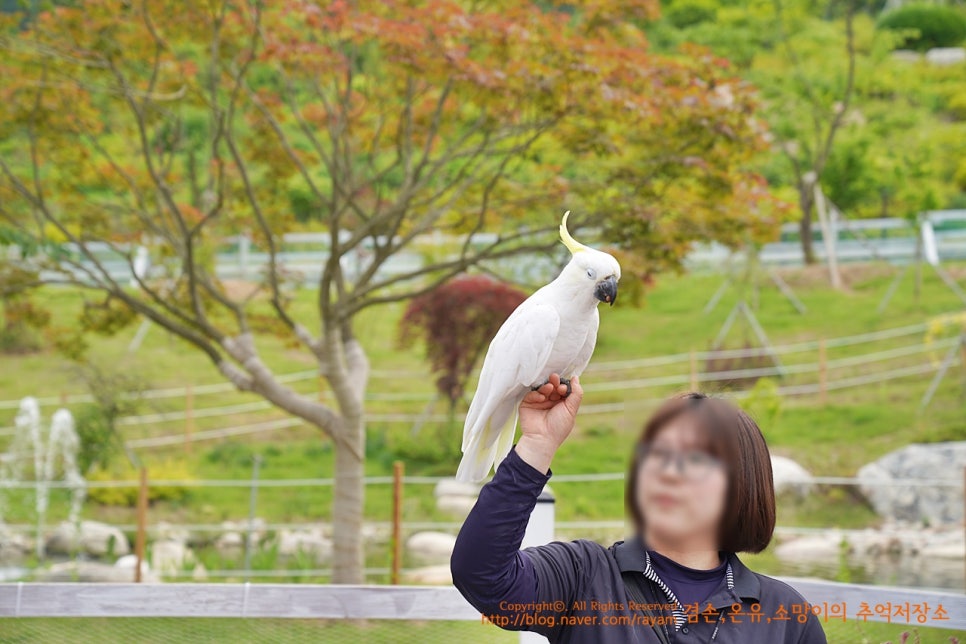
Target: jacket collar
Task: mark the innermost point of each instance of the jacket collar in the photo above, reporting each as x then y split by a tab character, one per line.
629	554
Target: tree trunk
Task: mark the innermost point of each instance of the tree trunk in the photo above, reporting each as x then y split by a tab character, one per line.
805	201
349	385
347	432
347	506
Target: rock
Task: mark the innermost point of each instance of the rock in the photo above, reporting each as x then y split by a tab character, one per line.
171	532
200	573
308	542
791	477
946	55
129	563
822	547
456	497
14	546
452	487
91	571
372	533
438	575
169	557
230	544
431	547
950	544
457	505
96	539
919	503
256	528
878	542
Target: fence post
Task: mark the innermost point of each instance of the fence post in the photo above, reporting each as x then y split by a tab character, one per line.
140	538
539	531
397	493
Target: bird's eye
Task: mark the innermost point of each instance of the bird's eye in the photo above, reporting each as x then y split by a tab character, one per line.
591	273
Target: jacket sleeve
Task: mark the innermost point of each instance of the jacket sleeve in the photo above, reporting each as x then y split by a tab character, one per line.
813	633
516	589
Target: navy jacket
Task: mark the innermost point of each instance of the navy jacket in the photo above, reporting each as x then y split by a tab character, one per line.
572	592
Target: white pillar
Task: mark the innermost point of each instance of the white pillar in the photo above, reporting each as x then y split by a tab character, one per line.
929	248
539	532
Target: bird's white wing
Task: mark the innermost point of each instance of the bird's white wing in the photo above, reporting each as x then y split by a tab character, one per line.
587	350
514	361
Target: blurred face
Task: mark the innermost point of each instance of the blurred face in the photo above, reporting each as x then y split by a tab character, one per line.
680	487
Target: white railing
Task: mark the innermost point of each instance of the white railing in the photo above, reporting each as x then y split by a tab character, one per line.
305	253
336	601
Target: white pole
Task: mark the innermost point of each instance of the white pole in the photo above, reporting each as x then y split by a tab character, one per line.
539	532
929	248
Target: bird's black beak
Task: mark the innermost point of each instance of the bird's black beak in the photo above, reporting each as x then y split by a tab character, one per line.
606	290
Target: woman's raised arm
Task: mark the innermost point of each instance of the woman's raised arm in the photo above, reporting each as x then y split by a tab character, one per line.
488	568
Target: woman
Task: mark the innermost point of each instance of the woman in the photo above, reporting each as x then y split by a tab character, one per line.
699	490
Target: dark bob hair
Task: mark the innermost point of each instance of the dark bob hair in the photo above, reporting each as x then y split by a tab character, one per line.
732	436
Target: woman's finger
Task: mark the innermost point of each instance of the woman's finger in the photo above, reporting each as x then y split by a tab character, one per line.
534	396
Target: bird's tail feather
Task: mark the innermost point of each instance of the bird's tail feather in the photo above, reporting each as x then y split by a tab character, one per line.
475	464
505	443
477	459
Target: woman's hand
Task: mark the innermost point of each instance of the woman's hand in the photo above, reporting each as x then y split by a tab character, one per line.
547	417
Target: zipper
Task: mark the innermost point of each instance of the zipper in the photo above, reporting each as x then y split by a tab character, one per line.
718	625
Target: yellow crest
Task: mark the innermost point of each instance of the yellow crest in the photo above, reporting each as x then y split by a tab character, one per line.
572	244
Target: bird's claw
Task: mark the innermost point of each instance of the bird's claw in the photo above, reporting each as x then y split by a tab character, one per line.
563	381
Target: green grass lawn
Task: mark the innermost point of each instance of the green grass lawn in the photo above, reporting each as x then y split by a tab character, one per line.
148	631
855	426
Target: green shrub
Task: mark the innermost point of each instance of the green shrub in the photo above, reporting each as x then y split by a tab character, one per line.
687	13
928	25
960	176
957	106
172	470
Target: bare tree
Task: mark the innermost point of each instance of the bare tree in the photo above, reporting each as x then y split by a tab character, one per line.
813	125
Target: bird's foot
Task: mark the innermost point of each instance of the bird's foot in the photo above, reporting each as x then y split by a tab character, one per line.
563	381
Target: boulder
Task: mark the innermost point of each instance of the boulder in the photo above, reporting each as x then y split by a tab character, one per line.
820	547
256	528
790	477
129	563
14	546
308	542
933	504
456	497
431	547
171	532
93	538
200	573
948	544
91	571
456	505
169	557
372	533
230	544
452	487
438	575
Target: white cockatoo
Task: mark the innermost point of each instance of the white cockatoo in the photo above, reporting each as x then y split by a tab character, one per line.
552	331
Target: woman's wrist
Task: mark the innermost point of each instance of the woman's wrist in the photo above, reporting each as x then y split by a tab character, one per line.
535	452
